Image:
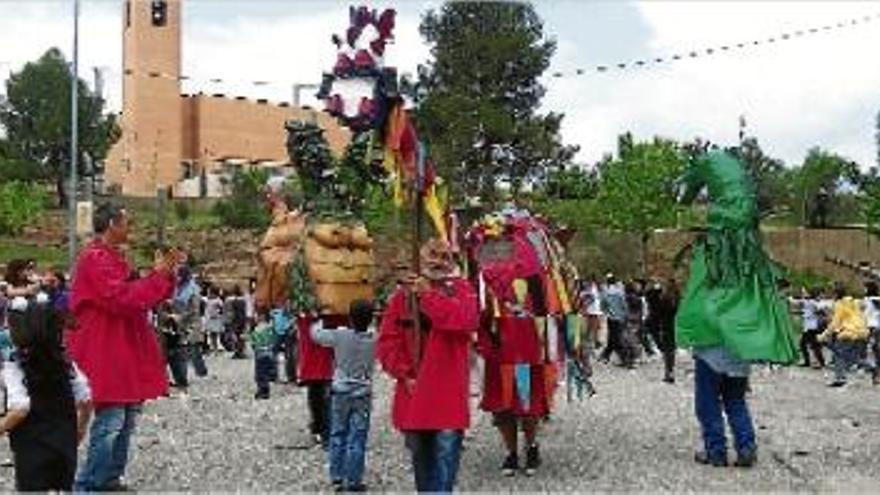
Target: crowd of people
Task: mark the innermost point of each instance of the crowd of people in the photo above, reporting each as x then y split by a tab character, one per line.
79	362
836	321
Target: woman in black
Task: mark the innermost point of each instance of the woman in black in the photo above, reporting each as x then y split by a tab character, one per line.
660	323
48	399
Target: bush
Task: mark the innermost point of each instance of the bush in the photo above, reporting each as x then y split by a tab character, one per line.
181	210
246	206
21	204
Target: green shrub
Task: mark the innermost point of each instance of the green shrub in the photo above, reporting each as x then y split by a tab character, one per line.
181	211
21	204
245	208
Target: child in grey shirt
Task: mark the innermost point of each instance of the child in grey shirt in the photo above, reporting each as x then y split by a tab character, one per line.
354	352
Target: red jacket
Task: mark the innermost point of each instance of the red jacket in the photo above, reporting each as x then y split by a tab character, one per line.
439	398
315	362
113	343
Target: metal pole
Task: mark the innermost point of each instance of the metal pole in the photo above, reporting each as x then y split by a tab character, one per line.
74	145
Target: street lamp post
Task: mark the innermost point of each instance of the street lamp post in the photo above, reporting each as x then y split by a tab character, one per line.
74	137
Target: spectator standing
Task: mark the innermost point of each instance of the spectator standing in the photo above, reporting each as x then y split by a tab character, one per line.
214	318
263	344
250	302
236	322
187	302
847	334
173	341
114	345
351	394
812	316
281	325
48	399
660	323
591	304
614	305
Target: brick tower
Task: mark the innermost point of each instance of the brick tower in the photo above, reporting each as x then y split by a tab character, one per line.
148	155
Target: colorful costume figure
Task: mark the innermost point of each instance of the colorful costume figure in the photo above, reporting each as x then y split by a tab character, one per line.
530	324
731	298
731	313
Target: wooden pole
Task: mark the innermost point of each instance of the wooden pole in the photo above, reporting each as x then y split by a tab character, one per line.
418	212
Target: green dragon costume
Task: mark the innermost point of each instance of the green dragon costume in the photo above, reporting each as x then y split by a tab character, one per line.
731	298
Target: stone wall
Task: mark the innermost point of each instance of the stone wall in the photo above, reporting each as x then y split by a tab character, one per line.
799	249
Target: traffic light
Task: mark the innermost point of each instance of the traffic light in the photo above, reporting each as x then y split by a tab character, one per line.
159	12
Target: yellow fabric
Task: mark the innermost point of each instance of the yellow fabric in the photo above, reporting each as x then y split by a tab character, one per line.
847	322
541	328
434	209
521	289
561	291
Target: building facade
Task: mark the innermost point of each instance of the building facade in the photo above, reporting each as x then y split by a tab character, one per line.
185	143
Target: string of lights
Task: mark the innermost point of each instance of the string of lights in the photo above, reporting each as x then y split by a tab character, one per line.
719	49
645	62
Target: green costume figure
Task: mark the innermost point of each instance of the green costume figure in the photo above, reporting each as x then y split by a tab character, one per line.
731	300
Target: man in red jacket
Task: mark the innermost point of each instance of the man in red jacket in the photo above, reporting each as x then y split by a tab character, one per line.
431	366
113	344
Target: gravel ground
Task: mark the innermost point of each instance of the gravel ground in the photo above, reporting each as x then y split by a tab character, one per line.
637	434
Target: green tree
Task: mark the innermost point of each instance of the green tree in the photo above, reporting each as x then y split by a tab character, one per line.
571	183
20	204
822	185
637	191
771	178
481	95
13	168
871	200
36	116
245	207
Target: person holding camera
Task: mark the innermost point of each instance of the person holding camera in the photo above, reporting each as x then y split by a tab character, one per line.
113	344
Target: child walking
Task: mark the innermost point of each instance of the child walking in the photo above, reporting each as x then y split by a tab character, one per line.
48	399
351	391
263	342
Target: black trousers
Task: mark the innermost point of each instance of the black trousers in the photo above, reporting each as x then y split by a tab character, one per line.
318	396
290	357
664	337
42	469
178	363
617	343
810	343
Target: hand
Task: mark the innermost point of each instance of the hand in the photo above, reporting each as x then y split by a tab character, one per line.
169	261
417	283
409	384
81	434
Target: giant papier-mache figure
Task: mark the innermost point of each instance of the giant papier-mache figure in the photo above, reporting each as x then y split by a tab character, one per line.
731	298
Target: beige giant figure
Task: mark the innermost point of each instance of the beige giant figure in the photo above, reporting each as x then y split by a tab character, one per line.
339	259
281	242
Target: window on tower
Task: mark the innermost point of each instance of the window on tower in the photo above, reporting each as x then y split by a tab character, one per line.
159	12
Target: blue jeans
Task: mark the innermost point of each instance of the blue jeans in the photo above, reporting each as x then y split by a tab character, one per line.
107	454
435	458
714	391
349	428
846	355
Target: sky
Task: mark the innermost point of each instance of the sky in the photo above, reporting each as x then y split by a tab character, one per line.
819	90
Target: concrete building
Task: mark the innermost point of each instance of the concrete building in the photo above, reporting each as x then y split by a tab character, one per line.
187	143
